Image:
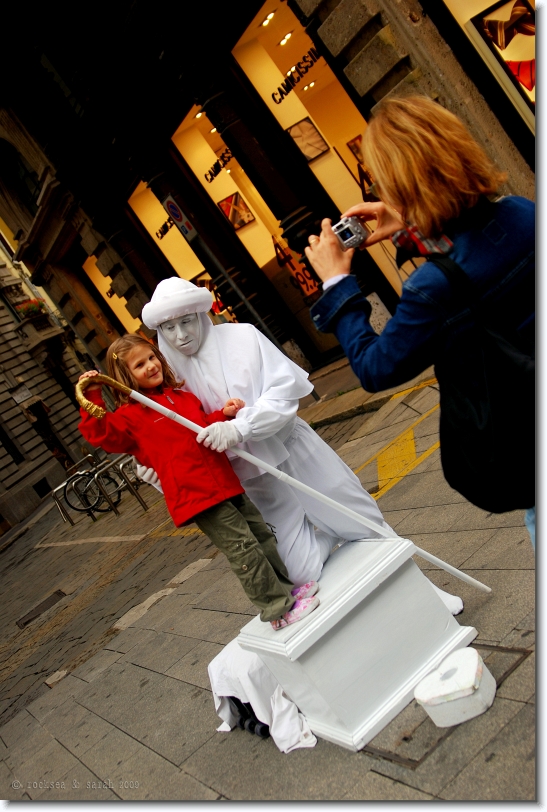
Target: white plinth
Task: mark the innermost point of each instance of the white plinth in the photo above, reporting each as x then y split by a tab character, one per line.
353	664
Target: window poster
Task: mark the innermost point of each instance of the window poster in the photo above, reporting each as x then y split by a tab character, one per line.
236	210
509	31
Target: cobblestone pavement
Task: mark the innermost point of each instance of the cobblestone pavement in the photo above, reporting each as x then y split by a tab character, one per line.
133	717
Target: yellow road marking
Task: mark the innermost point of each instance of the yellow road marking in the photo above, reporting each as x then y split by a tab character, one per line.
421	385
385	448
410	467
396	457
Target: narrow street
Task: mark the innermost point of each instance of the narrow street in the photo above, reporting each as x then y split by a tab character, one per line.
135	708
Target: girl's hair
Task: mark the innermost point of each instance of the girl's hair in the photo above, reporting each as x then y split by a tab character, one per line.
118	369
425	162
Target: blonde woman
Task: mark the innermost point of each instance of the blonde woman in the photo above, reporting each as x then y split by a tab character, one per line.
438	194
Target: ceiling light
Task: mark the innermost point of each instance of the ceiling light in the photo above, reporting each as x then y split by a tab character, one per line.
228	171
198	115
213	130
286	38
266	22
268	18
312	84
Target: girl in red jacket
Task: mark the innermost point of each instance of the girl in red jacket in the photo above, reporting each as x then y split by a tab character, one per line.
199	484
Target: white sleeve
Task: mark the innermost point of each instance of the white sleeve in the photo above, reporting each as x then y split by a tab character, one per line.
264	418
278	386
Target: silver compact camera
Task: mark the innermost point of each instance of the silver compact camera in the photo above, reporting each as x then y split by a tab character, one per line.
351	232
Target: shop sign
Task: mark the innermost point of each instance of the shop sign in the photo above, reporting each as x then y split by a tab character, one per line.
301	68
223	159
179	218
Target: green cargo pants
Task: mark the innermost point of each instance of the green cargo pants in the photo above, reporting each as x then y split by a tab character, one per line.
237	528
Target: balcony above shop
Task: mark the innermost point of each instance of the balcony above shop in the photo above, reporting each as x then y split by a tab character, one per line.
38	333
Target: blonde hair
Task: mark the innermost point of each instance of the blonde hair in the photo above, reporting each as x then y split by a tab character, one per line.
117	367
426	163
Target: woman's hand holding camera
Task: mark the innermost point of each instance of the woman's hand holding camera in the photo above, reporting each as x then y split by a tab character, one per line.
325	252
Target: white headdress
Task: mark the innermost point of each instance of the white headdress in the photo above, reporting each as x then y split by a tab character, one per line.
174	298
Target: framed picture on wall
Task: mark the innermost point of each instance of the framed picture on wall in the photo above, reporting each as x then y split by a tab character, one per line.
236	210
355	146
508	29
308	138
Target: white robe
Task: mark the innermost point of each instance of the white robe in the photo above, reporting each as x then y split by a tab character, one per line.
236	360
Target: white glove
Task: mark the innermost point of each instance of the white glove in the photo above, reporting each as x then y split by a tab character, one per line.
219	436
149	476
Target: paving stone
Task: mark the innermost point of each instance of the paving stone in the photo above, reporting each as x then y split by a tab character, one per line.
77	729
245	768
105	757
374	787
50	763
70	686
528	622
173	718
216	627
193	667
504	769
27	748
455	752
21	727
79	784
410	735
427	518
148	777
521	684
11	789
226	595
120	688
124	641
453	546
493	615
91	669
520	638
161	652
161	614
473	518
200	582
507	549
169	716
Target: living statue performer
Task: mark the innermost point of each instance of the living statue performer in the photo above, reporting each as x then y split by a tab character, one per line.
218	362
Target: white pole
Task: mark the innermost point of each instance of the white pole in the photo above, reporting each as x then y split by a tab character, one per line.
368	523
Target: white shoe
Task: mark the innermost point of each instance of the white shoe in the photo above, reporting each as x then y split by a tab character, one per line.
452	602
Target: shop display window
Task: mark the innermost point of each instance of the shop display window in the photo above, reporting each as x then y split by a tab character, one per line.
504	35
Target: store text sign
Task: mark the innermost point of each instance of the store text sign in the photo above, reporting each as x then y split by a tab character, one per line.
301	69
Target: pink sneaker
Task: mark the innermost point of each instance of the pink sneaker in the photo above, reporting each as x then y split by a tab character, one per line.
305	591
299	610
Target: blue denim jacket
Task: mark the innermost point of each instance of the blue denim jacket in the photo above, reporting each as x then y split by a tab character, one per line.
494	243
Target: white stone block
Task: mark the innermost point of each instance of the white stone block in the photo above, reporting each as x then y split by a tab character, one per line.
352	665
461	688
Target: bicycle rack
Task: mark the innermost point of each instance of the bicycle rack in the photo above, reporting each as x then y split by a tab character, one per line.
65	515
120	465
96	469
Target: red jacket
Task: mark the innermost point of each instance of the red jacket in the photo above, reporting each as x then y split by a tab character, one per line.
193	477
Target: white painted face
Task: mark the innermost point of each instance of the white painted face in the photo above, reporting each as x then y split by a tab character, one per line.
183	334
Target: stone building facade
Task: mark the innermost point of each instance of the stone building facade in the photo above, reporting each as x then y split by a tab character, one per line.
39	366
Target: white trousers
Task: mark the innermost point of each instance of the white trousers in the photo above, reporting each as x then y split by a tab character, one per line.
293	514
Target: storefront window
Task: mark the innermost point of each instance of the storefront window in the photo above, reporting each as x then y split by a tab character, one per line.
311	105
160	227
504	33
250	217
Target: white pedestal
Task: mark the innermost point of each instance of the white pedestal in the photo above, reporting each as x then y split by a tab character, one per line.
352	665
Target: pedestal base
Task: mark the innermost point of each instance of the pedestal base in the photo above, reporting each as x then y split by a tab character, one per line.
352	665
